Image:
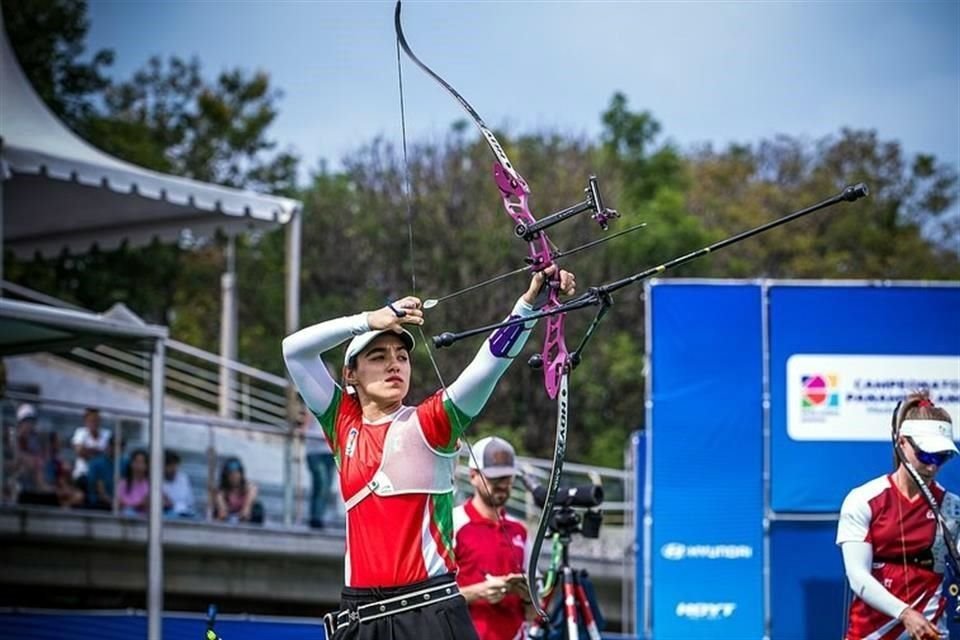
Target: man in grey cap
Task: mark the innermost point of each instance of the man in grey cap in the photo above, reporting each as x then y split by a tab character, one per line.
490	544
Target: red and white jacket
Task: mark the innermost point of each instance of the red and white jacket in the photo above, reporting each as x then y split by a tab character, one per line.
897	530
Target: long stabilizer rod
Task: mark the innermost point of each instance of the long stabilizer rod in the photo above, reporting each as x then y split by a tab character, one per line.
597	295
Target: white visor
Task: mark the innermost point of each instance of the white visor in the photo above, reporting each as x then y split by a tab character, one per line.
932	436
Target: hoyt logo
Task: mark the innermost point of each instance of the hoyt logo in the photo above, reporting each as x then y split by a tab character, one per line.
705	610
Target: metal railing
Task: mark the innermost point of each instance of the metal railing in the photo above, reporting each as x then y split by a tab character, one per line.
274	458
257	405
191	375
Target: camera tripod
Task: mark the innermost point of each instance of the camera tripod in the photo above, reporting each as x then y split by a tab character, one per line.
573	595
211	621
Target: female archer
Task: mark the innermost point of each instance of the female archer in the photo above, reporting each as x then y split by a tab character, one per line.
891	532
396	463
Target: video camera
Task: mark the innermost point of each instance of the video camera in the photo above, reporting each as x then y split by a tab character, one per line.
587	496
564	520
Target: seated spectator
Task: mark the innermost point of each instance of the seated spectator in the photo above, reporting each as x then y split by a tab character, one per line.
67	493
133	491
100	477
88	442
236	499
29	455
54	458
177	492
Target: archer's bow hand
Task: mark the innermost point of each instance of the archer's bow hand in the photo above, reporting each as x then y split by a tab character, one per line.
400	312
566	283
917	626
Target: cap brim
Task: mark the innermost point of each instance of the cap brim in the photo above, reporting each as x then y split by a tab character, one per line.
356	347
935	443
498	472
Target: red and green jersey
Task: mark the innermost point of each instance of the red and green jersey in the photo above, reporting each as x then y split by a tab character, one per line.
398	539
407	537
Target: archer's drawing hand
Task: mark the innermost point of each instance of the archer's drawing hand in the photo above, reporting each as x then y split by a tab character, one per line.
387	318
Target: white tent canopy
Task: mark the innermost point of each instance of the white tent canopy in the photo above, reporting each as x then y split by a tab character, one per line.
60	192
28	327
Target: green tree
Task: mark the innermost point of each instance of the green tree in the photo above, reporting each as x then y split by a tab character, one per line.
48	38
168	117
902	231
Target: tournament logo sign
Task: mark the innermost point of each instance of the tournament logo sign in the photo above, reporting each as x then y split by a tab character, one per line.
850	397
819	390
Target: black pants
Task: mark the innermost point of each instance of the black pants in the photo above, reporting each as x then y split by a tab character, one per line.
446	620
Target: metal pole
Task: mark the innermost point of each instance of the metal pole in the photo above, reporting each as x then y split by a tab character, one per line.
155	524
3	478
293	239
117	453
228	327
767	469
2	178
628	583
647	551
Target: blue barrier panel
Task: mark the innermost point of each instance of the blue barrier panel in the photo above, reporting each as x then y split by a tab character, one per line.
705	426
119	626
808	588
840	357
807	585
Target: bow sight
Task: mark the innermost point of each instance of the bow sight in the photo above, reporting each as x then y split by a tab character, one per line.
593	201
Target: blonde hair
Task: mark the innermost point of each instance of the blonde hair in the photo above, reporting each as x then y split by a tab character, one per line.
916	406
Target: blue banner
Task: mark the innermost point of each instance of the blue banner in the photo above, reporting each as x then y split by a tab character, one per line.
840	357
705	425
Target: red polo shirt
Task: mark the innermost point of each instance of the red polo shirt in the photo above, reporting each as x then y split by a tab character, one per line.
490	547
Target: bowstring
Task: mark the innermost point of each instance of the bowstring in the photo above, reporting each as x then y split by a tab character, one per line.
901	458
408	199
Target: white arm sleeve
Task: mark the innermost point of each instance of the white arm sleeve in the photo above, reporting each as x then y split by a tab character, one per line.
301	352
857	560
471	390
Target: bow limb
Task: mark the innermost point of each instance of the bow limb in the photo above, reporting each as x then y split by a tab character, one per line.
515	194
553	485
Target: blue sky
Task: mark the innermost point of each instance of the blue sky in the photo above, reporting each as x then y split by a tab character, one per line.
715	72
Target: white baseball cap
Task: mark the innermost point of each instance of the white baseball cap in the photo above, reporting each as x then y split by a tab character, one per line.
26	412
360	342
495	457
932	436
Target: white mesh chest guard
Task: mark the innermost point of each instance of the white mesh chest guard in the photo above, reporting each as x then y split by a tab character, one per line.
409	464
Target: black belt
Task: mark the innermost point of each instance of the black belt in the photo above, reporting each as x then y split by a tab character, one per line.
924	559
333	622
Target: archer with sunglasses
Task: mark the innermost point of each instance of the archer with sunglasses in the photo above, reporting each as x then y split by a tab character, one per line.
891	532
